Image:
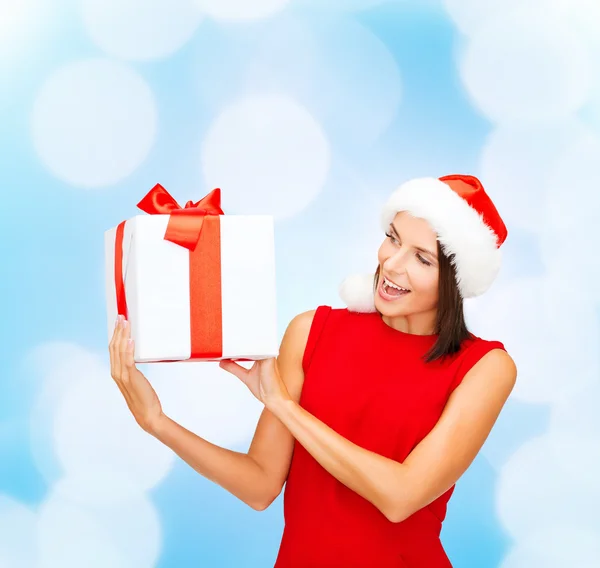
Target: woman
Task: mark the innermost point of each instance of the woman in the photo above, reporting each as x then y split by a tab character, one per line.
374	411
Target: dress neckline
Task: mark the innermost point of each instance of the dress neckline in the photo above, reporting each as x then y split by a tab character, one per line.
413	337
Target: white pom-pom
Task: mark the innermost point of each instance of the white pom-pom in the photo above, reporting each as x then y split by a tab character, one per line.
357	292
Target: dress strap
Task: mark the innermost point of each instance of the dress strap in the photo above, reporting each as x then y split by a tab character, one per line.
472	355
318	323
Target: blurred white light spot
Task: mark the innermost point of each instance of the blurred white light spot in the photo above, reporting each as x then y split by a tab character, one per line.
268	154
573	182
140	29
14	15
241	9
54	365
337	68
93	428
556	546
122	534
570	213
578	414
470	15
584	17
554	349
80	423
515	168
356	87
535	489
109	486
94	122
543	73
59	362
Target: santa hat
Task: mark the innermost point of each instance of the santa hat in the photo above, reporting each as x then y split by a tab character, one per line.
467	225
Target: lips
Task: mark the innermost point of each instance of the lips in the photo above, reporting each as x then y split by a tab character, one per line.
389	297
396	283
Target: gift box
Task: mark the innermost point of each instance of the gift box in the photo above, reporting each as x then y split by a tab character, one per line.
194	284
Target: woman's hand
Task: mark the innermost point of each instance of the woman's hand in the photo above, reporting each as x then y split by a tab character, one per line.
263	380
138	392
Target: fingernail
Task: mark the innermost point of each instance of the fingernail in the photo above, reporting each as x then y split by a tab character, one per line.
129	342
117	321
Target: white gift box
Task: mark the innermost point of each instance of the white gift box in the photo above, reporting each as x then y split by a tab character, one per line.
159	291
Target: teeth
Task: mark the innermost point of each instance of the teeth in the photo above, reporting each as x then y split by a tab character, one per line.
392	285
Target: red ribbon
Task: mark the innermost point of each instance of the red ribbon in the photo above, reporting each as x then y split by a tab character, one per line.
185	224
196	227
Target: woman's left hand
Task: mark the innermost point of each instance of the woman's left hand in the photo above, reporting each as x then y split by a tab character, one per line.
263	380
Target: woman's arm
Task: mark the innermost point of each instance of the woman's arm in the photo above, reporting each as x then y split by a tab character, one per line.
234	471
273	444
256	477
435	464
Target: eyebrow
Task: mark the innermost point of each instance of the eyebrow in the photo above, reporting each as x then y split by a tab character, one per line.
418	248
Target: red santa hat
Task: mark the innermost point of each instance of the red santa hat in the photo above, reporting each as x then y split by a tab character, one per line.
467	225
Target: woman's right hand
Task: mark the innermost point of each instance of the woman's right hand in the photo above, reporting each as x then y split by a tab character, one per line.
141	398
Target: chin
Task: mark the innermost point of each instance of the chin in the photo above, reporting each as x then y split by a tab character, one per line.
392	308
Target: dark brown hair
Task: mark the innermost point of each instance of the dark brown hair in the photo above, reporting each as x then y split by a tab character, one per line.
450	323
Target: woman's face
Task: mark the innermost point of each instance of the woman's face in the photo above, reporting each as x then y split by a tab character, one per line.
402	262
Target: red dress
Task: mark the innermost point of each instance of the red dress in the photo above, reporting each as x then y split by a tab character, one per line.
366	381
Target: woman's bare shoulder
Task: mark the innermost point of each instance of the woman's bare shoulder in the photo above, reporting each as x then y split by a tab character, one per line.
304	319
298	330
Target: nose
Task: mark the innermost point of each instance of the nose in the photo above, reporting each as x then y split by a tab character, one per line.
396	263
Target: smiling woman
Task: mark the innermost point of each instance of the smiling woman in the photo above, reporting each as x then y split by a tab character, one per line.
368	446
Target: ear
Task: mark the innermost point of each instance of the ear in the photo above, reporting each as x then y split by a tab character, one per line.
357	292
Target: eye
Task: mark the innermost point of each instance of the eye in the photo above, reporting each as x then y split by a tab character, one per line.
421	259
391	237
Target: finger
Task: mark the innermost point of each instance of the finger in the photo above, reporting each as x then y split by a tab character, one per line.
112	339
112	349
127	355
123	338
115	355
117	348
235	369
115	374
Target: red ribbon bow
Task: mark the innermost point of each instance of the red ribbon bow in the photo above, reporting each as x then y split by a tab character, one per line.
185	224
